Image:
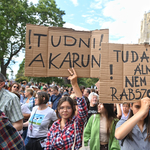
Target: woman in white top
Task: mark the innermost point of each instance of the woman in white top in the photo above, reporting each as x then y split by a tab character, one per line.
38	122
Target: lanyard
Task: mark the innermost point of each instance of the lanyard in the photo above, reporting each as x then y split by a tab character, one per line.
31	126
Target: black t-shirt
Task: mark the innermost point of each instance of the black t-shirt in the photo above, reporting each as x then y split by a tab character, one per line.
92	110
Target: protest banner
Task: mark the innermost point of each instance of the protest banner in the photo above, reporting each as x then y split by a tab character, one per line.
50	51
125	73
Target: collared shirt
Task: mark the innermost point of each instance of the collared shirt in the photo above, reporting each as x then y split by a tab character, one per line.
10	105
58	139
138	142
21	98
9	137
31	103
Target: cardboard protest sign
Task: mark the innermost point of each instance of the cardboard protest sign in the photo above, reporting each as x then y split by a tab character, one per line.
50	51
125	73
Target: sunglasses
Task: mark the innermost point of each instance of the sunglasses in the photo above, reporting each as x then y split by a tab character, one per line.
16	87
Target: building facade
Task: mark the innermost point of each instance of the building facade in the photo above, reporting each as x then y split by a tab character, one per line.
145	29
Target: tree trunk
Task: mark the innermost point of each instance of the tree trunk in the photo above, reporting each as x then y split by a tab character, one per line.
3	67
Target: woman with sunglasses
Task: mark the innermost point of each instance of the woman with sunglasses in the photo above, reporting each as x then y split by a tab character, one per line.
100	129
134	133
39	121
15	88
62	133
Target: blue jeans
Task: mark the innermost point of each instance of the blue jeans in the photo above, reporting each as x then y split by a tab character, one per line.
26	140
24	134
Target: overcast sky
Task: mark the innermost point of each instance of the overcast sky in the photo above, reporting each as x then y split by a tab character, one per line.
122	18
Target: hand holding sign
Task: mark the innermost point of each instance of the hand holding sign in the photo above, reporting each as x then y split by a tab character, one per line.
74	83
72	77
145	104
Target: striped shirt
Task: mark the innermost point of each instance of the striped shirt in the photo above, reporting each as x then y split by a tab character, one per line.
10	105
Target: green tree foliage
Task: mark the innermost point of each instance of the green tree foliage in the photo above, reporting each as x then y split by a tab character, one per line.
87	82
48	80
20	75
91	82
14	15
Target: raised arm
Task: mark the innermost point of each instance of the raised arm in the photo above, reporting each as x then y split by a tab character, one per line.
119	113
82	106
122	131
74	83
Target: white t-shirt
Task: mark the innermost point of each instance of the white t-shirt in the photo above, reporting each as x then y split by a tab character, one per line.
39	122
25	109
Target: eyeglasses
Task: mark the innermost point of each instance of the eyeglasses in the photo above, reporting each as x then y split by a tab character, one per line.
16	87
65	108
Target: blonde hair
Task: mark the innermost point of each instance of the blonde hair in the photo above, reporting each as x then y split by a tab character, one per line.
30	90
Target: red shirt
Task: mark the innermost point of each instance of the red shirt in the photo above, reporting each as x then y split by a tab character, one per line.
58	139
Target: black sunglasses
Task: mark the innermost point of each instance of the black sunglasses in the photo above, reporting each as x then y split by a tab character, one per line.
16	87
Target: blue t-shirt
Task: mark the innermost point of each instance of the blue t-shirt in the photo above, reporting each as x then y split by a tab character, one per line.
55	99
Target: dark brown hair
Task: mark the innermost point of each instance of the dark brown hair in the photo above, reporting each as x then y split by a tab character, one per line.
127	104
40	97
17	84
54	88
110	115
146	121
66	99
18	95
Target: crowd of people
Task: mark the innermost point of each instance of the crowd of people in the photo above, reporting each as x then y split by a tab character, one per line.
50	117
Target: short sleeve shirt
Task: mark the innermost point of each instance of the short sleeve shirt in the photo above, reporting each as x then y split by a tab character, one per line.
138	142
10	105
39	122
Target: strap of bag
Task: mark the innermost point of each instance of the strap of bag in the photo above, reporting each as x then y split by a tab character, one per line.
83	132
74	136
56	98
